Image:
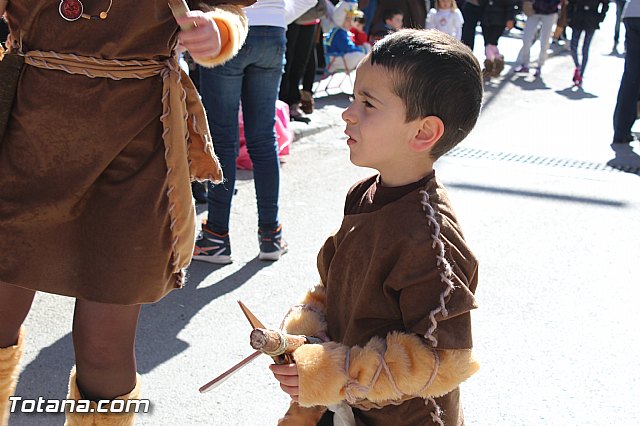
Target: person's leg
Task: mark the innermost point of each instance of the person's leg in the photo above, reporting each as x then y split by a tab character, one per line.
575	39
369	13
548	21
472	15
288	83
625	112
616	33
15	303
259	93
588	35
304	46
103	340
220	88
528	37
312	64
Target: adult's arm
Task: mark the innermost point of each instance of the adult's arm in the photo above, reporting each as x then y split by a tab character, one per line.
293	9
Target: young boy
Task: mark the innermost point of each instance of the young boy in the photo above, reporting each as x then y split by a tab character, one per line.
397	278
392	22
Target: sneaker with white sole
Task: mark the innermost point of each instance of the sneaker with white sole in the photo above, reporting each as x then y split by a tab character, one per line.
272	245
212	247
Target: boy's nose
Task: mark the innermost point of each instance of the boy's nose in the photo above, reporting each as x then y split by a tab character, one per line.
348	116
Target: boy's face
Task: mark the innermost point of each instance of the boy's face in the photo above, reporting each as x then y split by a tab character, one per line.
445	4
395	22
358	25
378	134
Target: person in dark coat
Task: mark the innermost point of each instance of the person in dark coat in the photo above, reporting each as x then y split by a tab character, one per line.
497	15
584	16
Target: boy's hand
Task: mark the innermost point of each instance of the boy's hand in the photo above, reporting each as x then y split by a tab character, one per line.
287	375
510	25
203	39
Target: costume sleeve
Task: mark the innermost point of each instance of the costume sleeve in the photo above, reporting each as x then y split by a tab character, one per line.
233	27
434	278
384	370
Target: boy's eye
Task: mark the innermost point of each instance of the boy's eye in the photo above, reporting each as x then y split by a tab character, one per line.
367	104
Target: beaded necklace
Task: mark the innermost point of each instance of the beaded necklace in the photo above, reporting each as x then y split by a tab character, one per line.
72	10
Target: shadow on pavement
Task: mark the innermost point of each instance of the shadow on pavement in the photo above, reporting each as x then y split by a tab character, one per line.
536	194
160	323
625	160
525	82
575	93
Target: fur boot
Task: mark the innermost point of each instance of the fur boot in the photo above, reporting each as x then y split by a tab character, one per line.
384	370
99	419
9	369
306	101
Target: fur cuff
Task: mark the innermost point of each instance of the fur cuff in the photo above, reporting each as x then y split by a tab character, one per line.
302	416
321	373
233	26
384	370
308	317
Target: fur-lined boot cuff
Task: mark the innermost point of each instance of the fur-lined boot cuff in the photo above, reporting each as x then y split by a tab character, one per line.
95	418
384	370
233	26
9	369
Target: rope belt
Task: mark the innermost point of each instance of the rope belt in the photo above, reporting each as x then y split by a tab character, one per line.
188	147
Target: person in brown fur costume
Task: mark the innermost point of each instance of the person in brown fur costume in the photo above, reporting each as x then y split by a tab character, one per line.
397	278
104	123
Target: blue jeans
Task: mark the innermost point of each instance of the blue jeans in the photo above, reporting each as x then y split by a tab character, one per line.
252	76
626	109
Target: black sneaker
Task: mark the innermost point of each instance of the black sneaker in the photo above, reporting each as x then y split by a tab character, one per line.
211	247
272	245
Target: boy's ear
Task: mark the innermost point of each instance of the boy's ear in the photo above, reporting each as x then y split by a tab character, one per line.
430	130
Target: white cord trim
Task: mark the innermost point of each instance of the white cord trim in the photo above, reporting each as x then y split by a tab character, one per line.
445	273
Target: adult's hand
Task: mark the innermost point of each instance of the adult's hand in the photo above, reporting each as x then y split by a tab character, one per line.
202	39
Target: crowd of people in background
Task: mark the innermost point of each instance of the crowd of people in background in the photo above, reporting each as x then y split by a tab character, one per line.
283	58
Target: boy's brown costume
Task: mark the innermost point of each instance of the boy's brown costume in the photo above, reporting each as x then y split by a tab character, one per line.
398	287
104	136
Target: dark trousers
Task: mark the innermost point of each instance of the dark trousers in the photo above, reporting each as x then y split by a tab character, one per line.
586	43
299	45
472	15
492	33
626	109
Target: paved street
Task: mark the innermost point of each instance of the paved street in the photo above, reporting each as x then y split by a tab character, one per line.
556	229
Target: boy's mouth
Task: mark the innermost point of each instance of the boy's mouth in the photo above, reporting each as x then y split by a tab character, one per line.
350	140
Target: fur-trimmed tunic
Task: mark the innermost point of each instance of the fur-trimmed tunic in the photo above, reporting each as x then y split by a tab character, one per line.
381	274
84	206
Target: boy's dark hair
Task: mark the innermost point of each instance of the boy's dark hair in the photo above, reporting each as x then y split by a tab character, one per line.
390	13
360	20
433	74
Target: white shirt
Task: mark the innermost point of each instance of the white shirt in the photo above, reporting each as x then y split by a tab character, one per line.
448	21
277	13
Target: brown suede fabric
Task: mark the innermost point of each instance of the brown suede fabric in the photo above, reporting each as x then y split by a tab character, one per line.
84	207
381	274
